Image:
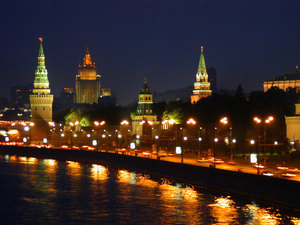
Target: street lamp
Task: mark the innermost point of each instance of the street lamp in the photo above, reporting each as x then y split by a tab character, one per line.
215	146
267	120
157	146
199	140
258	121
225	121
72	125
98	125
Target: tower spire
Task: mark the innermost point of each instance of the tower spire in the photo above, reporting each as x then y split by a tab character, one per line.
87	60
202	67
202	85
41	50
41	74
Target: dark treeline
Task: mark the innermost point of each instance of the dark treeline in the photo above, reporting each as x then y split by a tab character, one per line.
239	109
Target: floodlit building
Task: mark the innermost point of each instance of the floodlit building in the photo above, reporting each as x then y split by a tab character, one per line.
293	124
144	118
40	100
202	85
87	84
289	80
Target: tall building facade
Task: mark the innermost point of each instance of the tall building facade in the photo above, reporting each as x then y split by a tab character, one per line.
144	118
41	100
87	84
202	85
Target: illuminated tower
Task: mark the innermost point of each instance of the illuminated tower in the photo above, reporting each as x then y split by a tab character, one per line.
202	85
144	118
87	85
40	100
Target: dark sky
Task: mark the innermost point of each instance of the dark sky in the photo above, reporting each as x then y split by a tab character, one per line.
246	41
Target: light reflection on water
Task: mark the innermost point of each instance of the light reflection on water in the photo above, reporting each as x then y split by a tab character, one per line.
46	191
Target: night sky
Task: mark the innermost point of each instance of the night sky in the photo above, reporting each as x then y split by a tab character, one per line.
246	41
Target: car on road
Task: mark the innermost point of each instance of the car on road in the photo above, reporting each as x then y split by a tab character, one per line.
288	174
267	173
259	166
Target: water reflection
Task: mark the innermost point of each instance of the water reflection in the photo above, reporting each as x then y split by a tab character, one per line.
99	172
53	192
224	211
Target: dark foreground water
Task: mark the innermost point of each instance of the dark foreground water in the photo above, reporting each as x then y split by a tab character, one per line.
44	191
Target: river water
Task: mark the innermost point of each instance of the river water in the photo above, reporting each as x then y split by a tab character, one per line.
46	191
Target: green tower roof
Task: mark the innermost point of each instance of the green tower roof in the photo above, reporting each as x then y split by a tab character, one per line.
41	74
202	67
41	51
145	89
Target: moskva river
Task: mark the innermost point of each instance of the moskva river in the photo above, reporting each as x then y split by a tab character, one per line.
45	191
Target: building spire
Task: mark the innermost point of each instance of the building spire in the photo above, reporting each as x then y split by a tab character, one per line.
202	67
41	50
41	74
87	60
145	89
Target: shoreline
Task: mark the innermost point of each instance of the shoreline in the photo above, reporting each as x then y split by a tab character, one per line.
267	190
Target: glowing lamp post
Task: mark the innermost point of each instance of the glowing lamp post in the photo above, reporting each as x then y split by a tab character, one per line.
258	121
73	125
215	146
98	125
199	140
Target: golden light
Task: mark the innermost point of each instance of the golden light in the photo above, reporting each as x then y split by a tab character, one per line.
191	121
171	121
52	124
124	176
257	120
32	160
12	132
97	123
189	194
142	122
99	172
269	119
150	122
124	122
51	162
224	120
73	164
31	124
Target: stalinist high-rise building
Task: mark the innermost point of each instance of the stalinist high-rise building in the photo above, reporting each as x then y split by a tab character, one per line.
40	101
202	85
87	85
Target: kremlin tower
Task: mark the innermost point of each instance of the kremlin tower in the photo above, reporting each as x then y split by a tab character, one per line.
87	85
144	118
202	85
40	101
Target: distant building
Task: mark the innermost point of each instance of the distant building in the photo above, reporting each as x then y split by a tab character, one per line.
87	84
202	85
107	99
289	80
20	96
40	101
293	124
144	118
